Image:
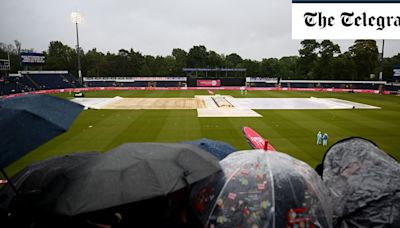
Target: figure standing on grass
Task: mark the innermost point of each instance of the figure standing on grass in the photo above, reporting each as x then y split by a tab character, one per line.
325	139
319	138
242	90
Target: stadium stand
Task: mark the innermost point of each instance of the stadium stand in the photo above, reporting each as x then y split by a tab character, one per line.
100	84
7	86
48	79
70	79
49	82
167	84
134	81
192	82
263	84
134	84
368	85
393	88
27	81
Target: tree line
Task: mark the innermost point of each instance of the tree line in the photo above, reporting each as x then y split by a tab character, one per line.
316	60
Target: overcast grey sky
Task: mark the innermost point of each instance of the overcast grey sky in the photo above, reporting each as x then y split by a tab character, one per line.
254	29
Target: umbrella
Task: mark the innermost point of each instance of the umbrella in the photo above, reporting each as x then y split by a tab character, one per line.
364	182
31	180
27	207
262	189
31	120
217	148
129	173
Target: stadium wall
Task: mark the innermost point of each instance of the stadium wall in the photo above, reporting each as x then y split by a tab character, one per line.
75	90
192	82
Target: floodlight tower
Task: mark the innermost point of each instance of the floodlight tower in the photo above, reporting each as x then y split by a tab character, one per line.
77	19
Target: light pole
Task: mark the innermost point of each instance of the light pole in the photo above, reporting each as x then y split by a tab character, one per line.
77	19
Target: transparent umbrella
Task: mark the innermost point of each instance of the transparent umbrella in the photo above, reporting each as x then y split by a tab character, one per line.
262	189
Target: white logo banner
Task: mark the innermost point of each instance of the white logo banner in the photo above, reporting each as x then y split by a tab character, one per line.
345	20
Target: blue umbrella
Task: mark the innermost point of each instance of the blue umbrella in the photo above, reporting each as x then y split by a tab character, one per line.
217	148
27	122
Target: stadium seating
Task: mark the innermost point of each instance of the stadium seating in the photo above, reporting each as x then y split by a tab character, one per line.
263	84
50	81
393	88
31	81
72	80
167	84
27	82
8	87
100	84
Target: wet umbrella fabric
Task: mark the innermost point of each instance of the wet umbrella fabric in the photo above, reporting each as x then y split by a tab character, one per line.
365	184
28	121
31	181
262	189
132	172
217	148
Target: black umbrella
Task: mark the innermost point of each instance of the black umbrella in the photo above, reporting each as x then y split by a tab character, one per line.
34	178
27	207
129	173
364	182
26	122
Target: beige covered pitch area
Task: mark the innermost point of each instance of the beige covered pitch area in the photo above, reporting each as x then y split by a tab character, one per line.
156	103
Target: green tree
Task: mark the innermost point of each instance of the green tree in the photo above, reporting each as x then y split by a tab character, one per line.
180	57
324	64
343	67
136	61
214	60
197	57
308	58
270	68
288	67
60	57
94	64
233	60
365	56
253	67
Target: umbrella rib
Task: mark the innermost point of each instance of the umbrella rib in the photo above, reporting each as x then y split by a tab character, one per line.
203	160
221	191
183	178
176	183
154	174
273	190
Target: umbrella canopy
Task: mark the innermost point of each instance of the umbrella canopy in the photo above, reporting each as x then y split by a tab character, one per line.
129	173
217	148
28	121
31	181
365	184
262	189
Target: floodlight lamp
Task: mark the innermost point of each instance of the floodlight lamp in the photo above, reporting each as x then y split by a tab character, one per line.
76	17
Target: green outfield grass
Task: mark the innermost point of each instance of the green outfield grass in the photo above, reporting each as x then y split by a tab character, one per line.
292	132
